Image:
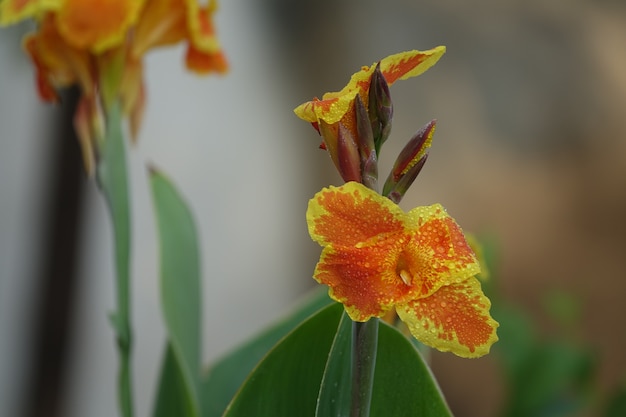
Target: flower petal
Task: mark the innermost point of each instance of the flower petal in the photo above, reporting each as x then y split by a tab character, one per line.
202	62
351	214
438	253
363	279
409	64
58	64
12	11
455	318
97	24
334	106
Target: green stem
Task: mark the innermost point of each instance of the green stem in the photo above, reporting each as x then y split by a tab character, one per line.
113	179
364	346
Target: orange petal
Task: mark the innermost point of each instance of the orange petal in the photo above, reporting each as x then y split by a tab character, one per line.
409	64
455	318
202	62
162	22
200	25
97	24
438	253
363	279
58	64
334	106
351	214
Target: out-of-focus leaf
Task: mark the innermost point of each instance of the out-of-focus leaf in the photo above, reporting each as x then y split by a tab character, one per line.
335	391
180	288
173	395
286	382
225	376
616	406
544	378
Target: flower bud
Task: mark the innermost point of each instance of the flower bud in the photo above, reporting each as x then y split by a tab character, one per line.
366	145
410	161
380	108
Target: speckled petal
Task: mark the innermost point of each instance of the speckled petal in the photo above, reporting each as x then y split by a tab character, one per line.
351	214
438	253
455	318
335	105
363	279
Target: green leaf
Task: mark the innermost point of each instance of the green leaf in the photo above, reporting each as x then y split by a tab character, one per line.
112	176
286	382
335	391
403	383
225	376
173	396
180	284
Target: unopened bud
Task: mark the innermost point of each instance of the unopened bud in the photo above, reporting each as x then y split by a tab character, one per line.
410	161
366	146
380	108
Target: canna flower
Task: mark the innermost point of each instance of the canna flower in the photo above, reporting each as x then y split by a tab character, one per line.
99	46
336	115
377	258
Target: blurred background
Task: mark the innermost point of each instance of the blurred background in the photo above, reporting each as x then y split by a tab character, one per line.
529	153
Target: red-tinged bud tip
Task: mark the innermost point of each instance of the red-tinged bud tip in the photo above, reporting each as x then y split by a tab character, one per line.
414	150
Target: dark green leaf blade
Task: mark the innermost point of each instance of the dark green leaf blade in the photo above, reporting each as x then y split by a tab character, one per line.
180	282
173	395
225	376
286	382
403	383
335	391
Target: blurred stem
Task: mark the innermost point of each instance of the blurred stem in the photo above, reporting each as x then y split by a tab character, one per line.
364	346
113	180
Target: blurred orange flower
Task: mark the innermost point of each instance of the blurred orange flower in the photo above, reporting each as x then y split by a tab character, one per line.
377	257
99	44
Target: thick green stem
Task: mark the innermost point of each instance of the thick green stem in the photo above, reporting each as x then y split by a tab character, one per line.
364	347
113	179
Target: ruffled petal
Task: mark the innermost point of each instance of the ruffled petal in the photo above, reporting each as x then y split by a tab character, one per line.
438	253
352	214
363	279
455	318
97	24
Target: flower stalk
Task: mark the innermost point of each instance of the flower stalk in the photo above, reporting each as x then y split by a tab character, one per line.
364	348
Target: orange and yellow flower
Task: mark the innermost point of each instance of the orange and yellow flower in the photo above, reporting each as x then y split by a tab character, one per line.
376	258
337	109
99	45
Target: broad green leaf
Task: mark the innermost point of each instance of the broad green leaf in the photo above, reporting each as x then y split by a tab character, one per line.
112	176
225	376
335	391
403	382
287	381
173	395
180	283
